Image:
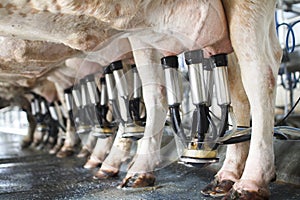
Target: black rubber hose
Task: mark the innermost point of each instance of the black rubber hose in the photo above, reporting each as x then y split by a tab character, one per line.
176	123
101	112
202	113
71	116
223	124
134	109
116	112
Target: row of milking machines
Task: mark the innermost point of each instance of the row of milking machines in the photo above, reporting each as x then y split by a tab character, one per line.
49	119
90	100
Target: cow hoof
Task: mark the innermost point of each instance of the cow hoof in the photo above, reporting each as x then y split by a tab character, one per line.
91	164
138	180
34	145
55	149
40	146
84	153
65	153
25	144
217	189
246	195
105	174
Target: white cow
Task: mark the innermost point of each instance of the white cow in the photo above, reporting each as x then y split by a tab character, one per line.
173	26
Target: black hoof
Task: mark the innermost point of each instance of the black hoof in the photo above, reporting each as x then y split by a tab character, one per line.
217	188
246	195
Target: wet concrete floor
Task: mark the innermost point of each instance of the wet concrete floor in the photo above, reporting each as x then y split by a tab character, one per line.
32	174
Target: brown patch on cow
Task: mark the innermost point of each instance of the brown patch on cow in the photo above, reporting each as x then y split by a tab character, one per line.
1	6
76	7
91	42
58	7
278	54
31	82
117	9
10	6
23	14
271	79
45	8
34	11
165	2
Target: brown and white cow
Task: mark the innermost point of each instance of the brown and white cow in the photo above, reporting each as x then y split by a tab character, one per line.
172	26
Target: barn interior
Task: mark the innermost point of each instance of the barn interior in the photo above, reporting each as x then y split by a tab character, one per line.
30	171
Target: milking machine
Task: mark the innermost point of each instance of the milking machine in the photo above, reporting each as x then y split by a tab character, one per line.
115	77
58	121
70	104
52	133
206	134
174	98
39	109
46	125
135	102
55	118
102	127
79	93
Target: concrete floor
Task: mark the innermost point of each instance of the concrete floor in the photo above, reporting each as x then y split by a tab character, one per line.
32	174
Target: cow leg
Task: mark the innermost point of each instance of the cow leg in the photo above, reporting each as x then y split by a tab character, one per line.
28	139
59	143
236	154
140	174
259	55
100	152
71	138
88	147
118	154
70	142
38	138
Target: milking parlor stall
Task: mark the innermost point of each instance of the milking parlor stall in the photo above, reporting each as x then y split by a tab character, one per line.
141	99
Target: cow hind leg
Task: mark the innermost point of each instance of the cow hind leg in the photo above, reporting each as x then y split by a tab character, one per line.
140	173
119	153
70	143
259	58
236	154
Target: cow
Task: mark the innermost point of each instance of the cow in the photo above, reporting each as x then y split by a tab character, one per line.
173	26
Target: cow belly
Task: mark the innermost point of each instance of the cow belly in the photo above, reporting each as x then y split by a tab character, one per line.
197	24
